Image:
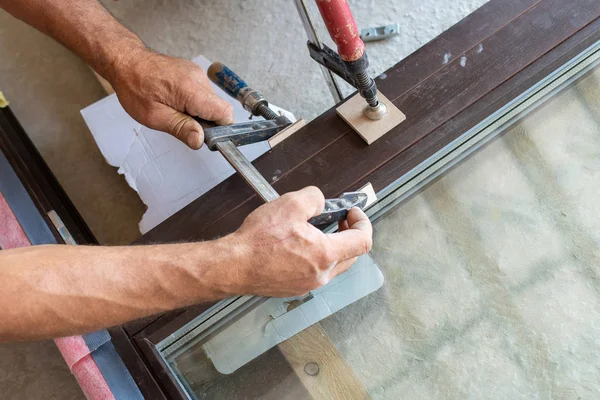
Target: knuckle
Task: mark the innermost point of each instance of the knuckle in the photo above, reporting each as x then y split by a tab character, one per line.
293	201
316	192
323	259
368	245
317	196
322	280
289	196
178	127
299	232
216	108
189	95
328	257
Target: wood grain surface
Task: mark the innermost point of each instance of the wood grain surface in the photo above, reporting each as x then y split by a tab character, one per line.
321	368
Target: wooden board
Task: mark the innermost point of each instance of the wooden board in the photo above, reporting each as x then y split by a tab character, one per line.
286	133
352	111
320	367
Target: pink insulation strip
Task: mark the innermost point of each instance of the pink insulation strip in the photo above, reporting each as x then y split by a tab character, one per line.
73	349
11	233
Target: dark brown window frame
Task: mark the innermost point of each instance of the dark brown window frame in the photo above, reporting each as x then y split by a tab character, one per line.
523	41
40	183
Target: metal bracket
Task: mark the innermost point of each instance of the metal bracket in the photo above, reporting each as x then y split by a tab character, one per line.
379	33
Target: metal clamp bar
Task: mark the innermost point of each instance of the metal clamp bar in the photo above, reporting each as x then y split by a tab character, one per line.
245	168
313	37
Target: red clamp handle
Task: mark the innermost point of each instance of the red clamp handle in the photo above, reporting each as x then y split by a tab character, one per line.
342	28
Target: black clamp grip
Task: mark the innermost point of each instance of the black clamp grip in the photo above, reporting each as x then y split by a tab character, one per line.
337	209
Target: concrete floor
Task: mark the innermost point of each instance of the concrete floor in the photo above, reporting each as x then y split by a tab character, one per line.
47	86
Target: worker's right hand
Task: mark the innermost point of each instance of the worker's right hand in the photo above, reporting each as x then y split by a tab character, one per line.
161	92
286	256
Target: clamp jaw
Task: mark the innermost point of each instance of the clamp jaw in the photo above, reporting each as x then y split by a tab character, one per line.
350	62
347	70
226	139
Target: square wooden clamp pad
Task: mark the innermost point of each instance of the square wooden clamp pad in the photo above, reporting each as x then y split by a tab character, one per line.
370	130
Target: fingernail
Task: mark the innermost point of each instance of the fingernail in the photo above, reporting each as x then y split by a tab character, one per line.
193	140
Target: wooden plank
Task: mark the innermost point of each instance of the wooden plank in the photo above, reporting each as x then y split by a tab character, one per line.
445	95
286	133
352	111
320	367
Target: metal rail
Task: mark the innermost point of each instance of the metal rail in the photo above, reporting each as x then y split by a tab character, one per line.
247	171
313	37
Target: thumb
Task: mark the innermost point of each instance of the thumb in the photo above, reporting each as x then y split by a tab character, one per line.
177	124
207	105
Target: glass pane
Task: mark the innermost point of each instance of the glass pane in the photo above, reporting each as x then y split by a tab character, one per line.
491	273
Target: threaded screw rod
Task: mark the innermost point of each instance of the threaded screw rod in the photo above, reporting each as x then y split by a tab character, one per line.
266	112
364	81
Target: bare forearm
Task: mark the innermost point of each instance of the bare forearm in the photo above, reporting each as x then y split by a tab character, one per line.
158	91
51	291
83	26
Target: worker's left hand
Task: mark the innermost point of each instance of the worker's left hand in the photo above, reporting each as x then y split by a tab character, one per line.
161	92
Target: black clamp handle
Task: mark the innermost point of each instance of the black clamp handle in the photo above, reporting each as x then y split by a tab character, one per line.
337	209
